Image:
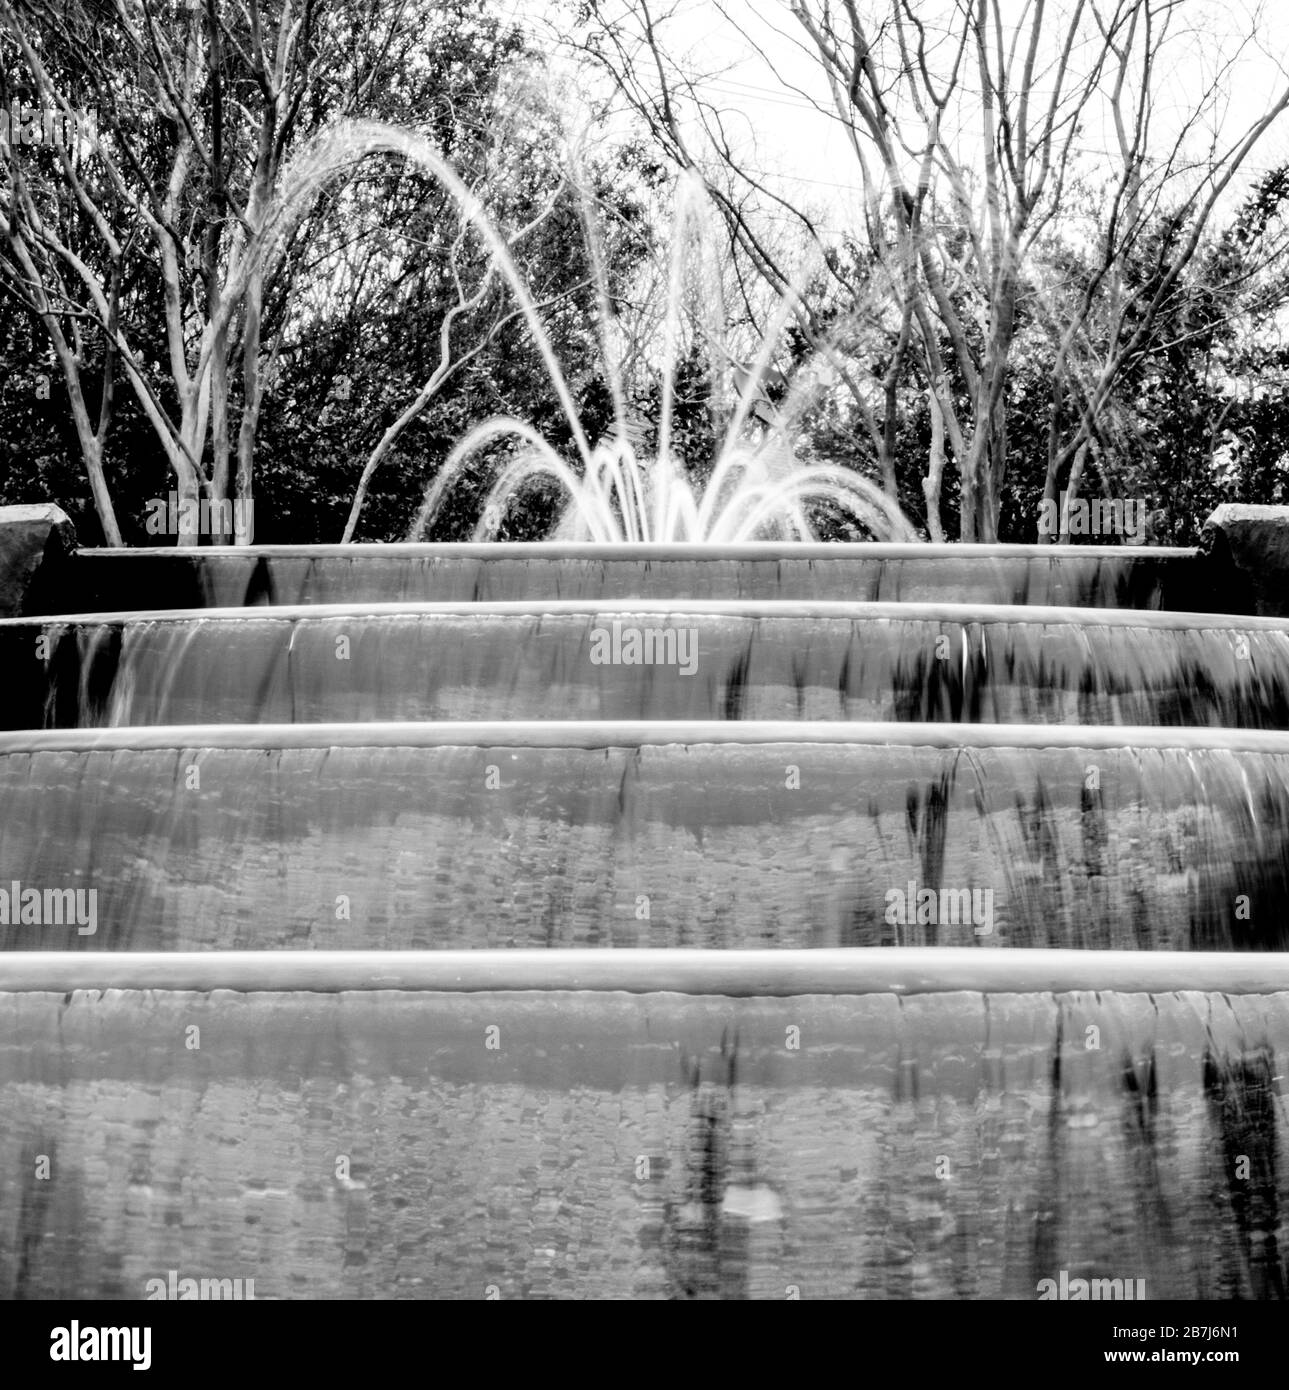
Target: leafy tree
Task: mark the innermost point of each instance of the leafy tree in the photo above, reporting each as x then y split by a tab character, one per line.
135	254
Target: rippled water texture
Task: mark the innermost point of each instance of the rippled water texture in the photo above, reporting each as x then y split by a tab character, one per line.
959	1146
777	844
771	660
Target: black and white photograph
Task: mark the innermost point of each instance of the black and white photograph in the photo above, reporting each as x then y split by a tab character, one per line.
644	656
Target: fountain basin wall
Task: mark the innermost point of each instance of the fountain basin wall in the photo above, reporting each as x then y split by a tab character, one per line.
605	1145
1246	550
566	659
35	543
549	834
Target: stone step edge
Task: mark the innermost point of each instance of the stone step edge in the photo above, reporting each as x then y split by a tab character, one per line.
901	971
604	734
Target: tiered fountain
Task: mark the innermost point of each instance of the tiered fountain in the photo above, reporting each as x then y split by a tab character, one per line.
349	1022
649	918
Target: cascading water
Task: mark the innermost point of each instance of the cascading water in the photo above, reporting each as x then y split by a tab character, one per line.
268	872
553	834
762	1168
705	659
1085	577
250	781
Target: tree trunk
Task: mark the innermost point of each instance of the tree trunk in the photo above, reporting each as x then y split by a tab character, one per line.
252	394
92	453
935	470
219	447
1072	488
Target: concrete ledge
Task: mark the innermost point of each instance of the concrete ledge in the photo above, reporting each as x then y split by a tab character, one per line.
729	974
34	542
952	551
668	609
642	733
1246	550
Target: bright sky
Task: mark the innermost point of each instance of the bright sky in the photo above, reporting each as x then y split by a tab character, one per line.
760	70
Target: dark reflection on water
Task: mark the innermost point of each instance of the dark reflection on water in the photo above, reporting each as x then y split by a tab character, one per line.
1245	1100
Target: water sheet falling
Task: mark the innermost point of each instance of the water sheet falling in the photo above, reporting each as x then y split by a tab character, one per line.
607	661
650	1146
230	577
724	834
